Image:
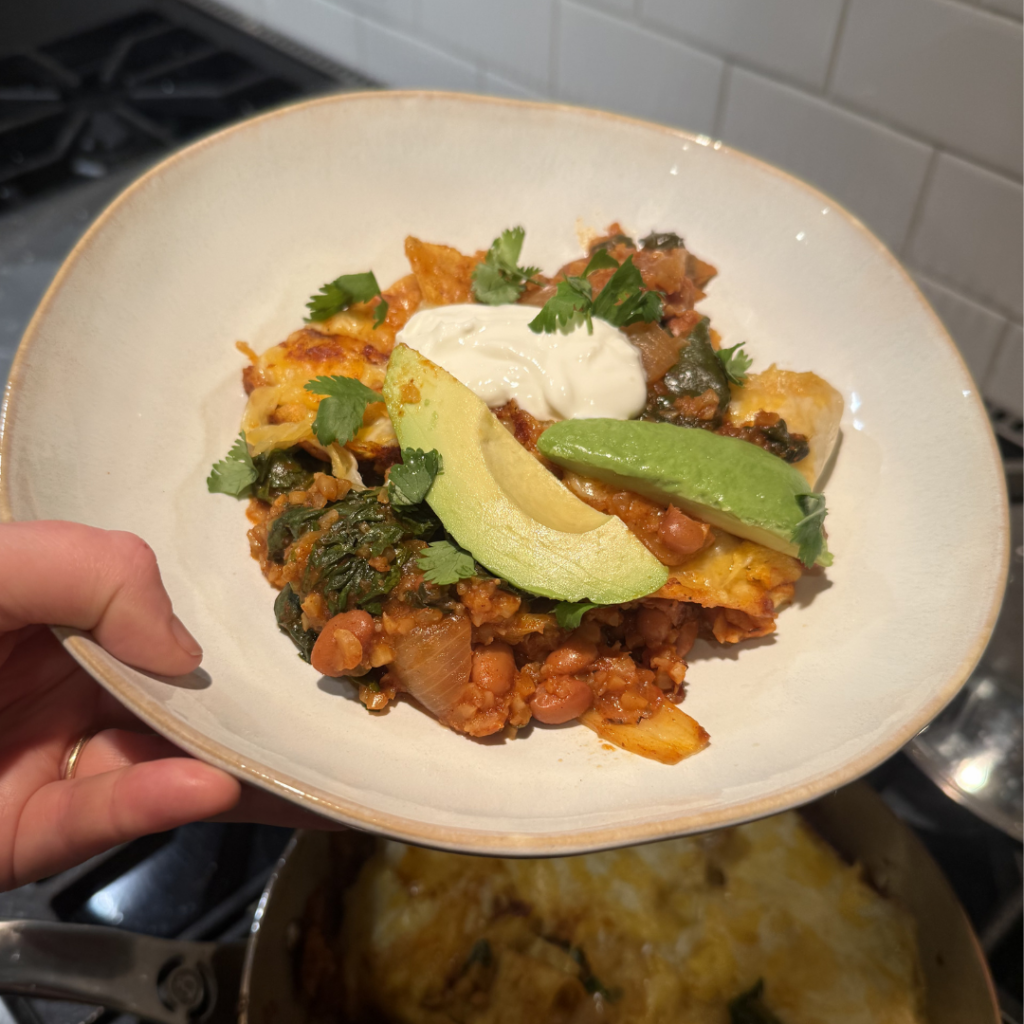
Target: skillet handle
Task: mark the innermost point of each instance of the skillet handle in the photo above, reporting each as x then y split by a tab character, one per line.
160	980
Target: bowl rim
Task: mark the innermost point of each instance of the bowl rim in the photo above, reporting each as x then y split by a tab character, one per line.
460	838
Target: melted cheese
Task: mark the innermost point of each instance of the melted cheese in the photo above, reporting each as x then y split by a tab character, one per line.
674	930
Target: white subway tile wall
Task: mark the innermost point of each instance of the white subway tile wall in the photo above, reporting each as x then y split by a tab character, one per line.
606	63
942	70
790	38
908	112
844	154
1002	385
969	233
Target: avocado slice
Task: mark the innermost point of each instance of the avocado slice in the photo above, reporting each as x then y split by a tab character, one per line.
502	505
727	482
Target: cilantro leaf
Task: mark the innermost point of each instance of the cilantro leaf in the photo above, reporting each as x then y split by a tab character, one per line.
569	614
500	280
601	259
491	287
235	473
442	562
735	363
339	294
340	414
409	482
621	302
566	309
572	304
808	533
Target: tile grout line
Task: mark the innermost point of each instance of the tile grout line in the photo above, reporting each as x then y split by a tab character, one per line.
958	292
962	291
780	79
1004	339
918	212
721	100
732	62
833	58
978	9
911	134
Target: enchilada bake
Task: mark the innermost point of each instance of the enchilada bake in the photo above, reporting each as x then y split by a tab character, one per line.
519	498
760	924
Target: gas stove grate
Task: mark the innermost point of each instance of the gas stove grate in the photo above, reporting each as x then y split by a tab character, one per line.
82	106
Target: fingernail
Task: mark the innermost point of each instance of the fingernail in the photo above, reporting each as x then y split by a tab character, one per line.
186	641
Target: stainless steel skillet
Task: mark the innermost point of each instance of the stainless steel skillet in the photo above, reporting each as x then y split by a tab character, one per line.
174	982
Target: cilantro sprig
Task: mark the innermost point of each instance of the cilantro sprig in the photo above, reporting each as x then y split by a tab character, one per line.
621	302
807	534
569	614
410	481
339	294
572	304
443	562
735	363
235	473
500	280
340	414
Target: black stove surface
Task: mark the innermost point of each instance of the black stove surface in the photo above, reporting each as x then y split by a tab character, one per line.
139	79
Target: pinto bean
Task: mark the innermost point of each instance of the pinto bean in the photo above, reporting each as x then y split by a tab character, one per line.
653	625
573	656
494	668
341	644
681	533
560	699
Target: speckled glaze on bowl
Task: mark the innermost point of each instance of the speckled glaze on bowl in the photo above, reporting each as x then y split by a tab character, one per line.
126	389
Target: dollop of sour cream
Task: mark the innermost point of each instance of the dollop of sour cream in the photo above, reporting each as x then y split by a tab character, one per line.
494	353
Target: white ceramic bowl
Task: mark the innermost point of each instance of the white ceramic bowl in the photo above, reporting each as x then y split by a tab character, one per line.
126	389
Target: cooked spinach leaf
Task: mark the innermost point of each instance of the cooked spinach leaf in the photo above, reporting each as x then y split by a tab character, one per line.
283	470
779	441
697	370
364	529
749	1008
662	240
589	980
611	242
288	610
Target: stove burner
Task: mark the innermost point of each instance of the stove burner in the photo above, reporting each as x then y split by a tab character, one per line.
78	108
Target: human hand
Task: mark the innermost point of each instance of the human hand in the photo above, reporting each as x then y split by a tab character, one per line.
127	781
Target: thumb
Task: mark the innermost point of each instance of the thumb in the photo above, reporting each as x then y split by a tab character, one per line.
67	574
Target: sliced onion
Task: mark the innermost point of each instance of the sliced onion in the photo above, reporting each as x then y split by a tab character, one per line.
433	663
278	435
344	465
658	349
262	402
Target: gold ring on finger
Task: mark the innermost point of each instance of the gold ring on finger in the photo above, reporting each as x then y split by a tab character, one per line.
73	756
